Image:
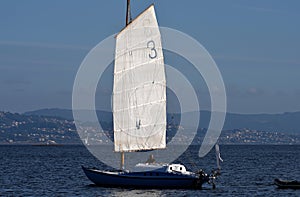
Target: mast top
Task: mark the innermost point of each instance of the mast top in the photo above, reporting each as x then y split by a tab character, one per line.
128	14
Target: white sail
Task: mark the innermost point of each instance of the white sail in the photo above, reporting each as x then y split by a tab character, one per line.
139	90
218	156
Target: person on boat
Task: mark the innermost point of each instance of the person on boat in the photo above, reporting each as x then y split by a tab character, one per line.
151	159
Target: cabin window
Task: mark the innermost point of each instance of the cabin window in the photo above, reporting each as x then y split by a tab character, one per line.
171	168
180	168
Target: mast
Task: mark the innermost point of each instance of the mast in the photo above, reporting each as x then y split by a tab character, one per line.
128	20
128	15
122	160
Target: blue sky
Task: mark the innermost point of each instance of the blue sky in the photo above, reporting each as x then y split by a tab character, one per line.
255	44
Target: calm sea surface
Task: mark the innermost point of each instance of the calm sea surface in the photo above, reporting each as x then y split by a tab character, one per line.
56	171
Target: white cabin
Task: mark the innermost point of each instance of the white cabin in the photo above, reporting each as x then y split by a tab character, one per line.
170	168
176	168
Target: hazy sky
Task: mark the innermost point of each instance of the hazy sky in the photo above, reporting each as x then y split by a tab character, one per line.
255	44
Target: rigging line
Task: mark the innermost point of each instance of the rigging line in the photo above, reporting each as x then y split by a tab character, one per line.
192	162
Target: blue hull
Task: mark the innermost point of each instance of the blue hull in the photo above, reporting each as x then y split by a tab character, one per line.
144	179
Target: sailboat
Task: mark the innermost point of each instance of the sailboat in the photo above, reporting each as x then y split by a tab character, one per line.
139	110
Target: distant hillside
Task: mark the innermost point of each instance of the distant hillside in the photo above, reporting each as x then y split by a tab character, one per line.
45	129
285	122
68	114
52	112
32	129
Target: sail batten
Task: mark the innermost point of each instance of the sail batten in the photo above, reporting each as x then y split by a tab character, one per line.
142	105
139	90
133	88
137	65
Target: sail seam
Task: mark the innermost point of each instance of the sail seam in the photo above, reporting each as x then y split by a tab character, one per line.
138	65
136	47
137	106
149	83
134	128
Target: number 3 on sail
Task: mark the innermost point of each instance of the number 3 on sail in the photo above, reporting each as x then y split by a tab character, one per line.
153	52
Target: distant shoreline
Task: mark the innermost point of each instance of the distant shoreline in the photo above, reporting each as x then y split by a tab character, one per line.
4	144
32	144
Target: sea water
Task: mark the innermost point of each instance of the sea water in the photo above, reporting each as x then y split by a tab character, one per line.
247	170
